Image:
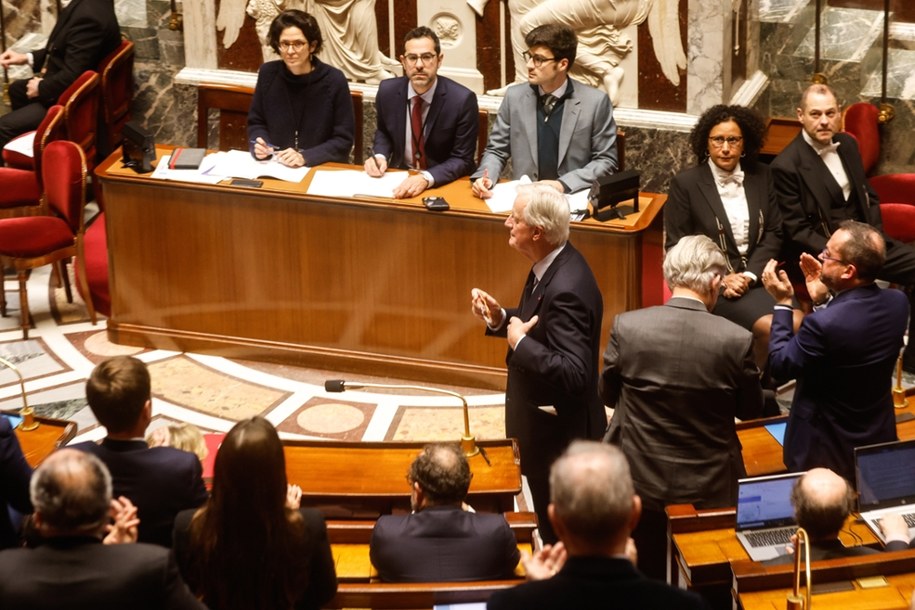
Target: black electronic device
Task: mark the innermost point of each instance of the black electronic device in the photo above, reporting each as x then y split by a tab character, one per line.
255	184
436	204
608	193
138	148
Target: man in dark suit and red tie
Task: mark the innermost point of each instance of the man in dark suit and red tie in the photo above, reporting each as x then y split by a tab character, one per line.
553	342
85	32
426	122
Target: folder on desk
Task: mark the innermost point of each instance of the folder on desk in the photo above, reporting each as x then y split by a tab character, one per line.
885	476
186	158
765	517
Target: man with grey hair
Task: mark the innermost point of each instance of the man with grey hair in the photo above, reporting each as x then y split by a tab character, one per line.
594	508
677	377
439	540
71	568
553	341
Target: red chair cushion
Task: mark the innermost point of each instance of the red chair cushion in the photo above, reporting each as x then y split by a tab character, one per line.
899	221
895	188
95	251
33	236
860	120
16	159
20	187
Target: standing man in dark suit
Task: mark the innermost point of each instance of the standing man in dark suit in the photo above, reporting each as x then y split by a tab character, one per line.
439	540
820	182
555	130
85	32
160	481
677	377
71	568
15	473
593	509
553	341
842	356
439	137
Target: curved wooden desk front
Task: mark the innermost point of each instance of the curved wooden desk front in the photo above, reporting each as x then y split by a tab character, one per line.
377	286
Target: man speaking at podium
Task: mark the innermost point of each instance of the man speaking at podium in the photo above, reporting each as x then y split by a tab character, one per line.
553	342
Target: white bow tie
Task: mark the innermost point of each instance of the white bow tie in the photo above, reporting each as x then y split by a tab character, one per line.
828	148
735	177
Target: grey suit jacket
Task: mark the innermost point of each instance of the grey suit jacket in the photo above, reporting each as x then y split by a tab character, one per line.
587	137
678	376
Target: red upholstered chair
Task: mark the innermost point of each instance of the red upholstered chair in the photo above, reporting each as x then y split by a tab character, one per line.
899	221
34	241
81	103
860	120
92	250
22	190
116	73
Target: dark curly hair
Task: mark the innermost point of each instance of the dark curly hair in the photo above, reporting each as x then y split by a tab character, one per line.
752	128
294	18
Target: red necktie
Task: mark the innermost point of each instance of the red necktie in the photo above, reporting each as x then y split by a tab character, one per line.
416	128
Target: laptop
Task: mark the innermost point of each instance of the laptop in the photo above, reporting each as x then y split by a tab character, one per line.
885	475
765	517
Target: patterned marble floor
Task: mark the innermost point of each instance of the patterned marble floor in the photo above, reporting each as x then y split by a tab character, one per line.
214	392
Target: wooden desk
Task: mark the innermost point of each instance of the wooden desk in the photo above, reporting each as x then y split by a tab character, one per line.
374	286
779	133
39	443
758	587
704	543
364	480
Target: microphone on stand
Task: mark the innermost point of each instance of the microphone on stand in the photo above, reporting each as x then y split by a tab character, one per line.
28	414
468	442
795	601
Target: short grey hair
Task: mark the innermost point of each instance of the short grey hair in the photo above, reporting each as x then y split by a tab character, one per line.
693	263
591	491
547	209
71	491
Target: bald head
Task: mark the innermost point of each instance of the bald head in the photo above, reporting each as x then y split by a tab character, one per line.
71	493
822	500
442	471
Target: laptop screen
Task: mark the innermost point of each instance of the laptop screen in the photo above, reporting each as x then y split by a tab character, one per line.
885	475
764	502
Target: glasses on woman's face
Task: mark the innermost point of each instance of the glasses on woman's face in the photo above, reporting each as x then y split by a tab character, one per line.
720	141
294	46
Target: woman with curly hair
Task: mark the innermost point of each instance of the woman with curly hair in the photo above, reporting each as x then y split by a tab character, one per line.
250	547
730	197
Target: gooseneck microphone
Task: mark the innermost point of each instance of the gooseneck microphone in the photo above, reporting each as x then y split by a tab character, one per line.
468	442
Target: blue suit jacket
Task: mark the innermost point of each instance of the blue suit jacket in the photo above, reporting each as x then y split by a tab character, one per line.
160	481
450	129
843	358
587	137
14	482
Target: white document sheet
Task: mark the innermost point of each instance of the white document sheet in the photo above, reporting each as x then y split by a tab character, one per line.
240	164
24	144
503	195
200	176
354	183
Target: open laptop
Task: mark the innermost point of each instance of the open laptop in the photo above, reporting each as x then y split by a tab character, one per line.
765	517
885	475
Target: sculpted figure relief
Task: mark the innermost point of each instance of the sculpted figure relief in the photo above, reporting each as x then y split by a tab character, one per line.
601	42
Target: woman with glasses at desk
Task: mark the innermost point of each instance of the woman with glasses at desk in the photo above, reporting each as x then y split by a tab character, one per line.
730	197
301	113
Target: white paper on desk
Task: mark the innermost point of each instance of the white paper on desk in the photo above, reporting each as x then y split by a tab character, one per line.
352	183
240	164
24	144
200	176
503	195
578	202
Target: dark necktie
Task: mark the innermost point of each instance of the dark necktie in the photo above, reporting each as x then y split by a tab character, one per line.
528	288
416	129
549	102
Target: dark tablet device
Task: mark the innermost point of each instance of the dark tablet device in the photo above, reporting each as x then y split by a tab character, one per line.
436	204
254	184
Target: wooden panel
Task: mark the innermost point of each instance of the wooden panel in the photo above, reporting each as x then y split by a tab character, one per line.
377	286
39	443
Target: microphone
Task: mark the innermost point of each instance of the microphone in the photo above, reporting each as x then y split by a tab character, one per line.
795	601
468	442
28	414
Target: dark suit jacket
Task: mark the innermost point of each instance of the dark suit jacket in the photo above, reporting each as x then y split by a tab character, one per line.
160	481
678	376
587	137
15	474
694	208
807	192
843	358
443	543
82	573
450	129
322	576
820	551
898	545
595	583
556	364
85	32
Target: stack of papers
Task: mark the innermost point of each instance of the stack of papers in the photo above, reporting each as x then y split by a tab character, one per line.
504	193
355	183
218	166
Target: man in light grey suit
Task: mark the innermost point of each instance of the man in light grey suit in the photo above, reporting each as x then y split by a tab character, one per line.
555	130
677	377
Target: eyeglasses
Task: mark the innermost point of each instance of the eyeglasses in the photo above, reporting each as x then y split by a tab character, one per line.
718	141
294	46
426	58
537	60
824	255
